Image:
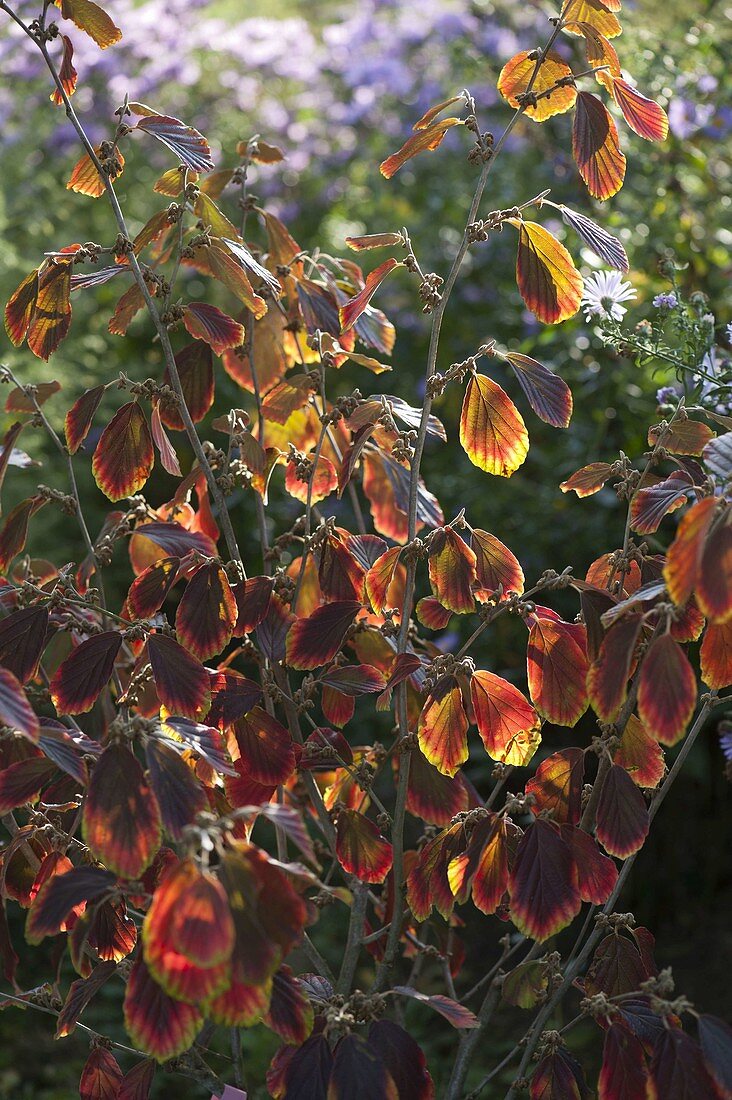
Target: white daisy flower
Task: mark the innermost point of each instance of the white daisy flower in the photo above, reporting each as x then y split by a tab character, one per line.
604	291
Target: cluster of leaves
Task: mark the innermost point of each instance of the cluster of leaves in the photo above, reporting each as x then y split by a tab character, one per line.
216	701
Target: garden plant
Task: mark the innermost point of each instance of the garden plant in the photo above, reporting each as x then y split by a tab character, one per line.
269	741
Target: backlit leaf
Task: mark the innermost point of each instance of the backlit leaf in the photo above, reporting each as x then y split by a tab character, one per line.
403	1058
124	456
431	137
622	814
207	612
543	884
354	307
181	681
452	571
121	818
22	641
667	692
548	281
557	672
492	430
589	480
602	243
596	873
596	147
714	584
177	791
156	1023
67	74
86	180
640	754
517	73
15	710
645	117
431	796
196	373
684	556
206	322
315	640
496	567
60	894
190	147
91	19
443	727
362	850
101	1076
557	786
79	680
50	318
608	675
624	1073
265	747
507	723
80	416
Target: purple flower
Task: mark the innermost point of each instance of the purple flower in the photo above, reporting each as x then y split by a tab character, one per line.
666	301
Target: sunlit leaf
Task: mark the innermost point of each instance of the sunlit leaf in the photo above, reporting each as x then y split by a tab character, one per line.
492	430
124	456
524	69
596	147
548	281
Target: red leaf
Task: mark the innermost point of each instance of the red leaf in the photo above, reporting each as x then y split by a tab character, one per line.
265	746
607	678
80	994
60	894
253	598
15	530
558	1076
557	786
684	556
181	681
452	571
431	796
195	370
156	1023
81	678
101	1076
557	671
79	417
714	584
207	323
640	754
22	781
315	640
189	916
624	1073
362	850
596	873
177	791
404	1060
715	1037
543	883
19	309
168	457
124	456
549	396
667	692
207	612
507	723
645	117
137	1082
354	680
22	641
323	478
67	74
622	815
443	727
121	817
651	503
596	148
456	1014
148	591
354	307
677	1069
590	479
548	281
496	567
290	1012
492	430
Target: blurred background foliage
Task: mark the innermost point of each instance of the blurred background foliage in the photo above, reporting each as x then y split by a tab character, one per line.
337	85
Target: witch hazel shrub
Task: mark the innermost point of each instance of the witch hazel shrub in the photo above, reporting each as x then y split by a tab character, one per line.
241	796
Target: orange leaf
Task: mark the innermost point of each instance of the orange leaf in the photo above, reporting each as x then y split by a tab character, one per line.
86	180
557	671
91	19
516	75
452	571
596	148
124	456
716	656
508	725
428	139
681	570
593	13
443	727
354	307
492	430
548	281
640	754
